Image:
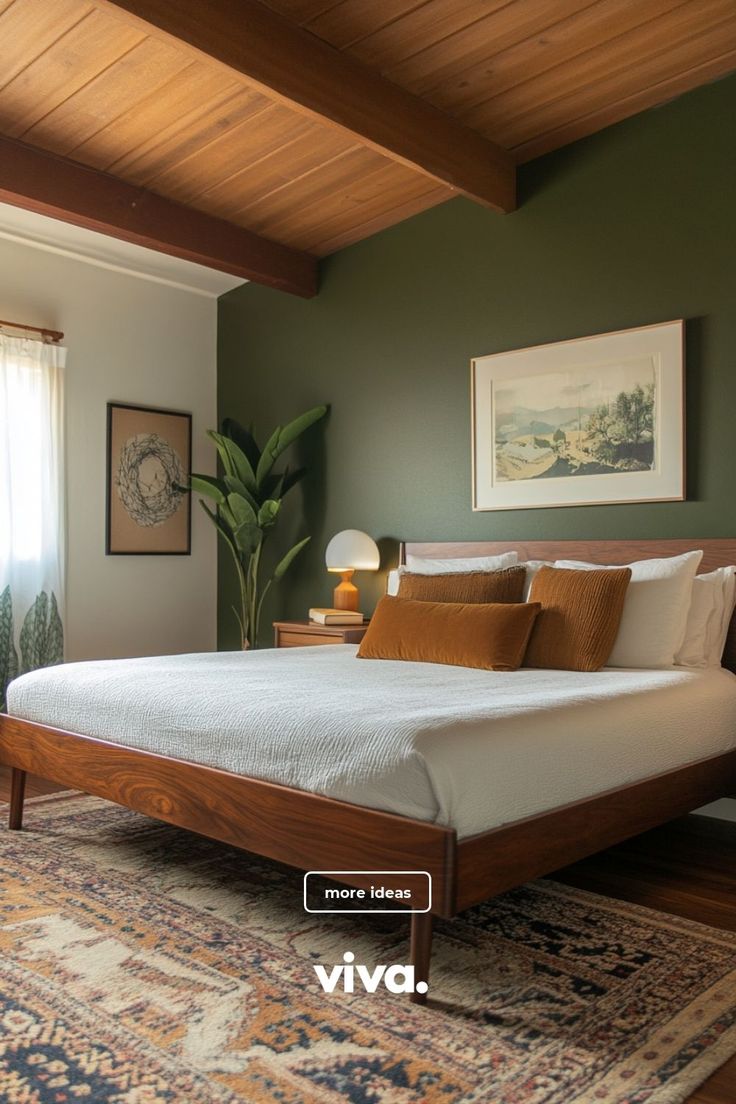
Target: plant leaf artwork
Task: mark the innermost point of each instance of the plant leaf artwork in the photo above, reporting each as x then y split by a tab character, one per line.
54	635
8	653
42	634
247	505
33	634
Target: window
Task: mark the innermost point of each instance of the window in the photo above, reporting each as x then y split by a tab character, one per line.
31	506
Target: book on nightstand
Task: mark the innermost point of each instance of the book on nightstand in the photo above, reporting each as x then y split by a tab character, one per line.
335	617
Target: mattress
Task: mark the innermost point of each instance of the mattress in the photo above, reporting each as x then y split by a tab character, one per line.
466	748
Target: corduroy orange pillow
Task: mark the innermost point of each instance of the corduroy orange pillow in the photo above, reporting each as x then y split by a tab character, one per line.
465	586
579	619
491	636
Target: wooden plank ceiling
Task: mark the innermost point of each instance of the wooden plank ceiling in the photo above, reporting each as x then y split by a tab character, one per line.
85	80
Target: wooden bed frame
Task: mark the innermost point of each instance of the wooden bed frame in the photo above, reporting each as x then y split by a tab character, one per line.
308	831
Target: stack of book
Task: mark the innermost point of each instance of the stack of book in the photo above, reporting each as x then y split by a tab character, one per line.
335	617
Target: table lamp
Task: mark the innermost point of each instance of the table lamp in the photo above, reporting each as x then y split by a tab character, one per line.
349	551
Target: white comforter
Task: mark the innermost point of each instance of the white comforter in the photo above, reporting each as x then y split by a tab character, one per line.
467	748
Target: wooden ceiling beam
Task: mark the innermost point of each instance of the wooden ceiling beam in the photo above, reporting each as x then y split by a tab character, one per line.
312	77
49	185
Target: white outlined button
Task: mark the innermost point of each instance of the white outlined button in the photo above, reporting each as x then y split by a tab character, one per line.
351	896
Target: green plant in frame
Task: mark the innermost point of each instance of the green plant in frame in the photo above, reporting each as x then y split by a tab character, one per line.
42	634
246	505
8	654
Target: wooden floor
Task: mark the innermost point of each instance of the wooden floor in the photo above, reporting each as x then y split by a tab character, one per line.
688	868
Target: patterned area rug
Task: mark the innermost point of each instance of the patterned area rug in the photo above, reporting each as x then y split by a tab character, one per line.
144	965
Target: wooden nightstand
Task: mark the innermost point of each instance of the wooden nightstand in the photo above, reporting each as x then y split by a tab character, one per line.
301	634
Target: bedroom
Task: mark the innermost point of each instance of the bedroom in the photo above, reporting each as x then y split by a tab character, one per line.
188	963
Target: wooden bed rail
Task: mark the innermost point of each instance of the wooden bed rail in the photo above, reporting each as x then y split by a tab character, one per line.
300	829
492	862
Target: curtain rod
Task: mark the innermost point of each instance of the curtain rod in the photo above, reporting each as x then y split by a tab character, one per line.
52	335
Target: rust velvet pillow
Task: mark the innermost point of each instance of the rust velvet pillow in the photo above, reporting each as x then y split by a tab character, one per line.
465	586
579	618
492	636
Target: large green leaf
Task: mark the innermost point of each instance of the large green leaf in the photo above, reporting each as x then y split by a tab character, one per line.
268	512
248	537
268	457
215	489
8	654
227	517
54	635
233	484
282	437
241	510
42	634
243	438
284	564
224	531
222	450
234	461
33	634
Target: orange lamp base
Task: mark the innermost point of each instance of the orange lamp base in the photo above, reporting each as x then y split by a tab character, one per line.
345	594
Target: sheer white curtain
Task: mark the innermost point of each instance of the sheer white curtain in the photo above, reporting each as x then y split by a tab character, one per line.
32	538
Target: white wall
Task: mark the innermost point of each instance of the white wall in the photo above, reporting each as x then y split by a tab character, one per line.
138	341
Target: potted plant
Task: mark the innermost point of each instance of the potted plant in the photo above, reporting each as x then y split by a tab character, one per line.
247	501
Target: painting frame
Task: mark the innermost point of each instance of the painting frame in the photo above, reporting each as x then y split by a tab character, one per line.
168	539
499	462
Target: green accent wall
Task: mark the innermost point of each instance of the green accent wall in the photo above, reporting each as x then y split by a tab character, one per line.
632	226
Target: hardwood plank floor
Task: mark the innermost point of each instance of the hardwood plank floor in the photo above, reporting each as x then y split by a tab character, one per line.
687	868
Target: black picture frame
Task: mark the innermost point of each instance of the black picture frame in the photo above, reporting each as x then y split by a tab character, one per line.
125	533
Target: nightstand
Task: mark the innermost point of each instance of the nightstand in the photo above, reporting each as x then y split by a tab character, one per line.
302	634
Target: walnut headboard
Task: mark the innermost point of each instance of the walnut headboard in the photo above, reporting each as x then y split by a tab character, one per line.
719	552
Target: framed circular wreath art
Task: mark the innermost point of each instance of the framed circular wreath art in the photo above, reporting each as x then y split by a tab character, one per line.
148	461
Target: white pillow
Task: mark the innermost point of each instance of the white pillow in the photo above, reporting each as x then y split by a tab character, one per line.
724	611
532	567
705	610
392	582
655	612
708	620
421	566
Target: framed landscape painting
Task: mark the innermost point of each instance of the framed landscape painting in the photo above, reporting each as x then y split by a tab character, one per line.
148	461
594	420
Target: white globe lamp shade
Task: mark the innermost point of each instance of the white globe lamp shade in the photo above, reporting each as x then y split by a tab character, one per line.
352	550
349	551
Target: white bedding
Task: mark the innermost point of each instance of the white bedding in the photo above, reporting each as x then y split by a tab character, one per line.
467	748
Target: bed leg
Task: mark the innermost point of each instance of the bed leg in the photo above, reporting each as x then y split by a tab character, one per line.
420	951
17	793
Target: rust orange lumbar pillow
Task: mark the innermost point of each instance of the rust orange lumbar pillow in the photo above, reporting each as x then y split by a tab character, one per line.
492	636
465	586
579	619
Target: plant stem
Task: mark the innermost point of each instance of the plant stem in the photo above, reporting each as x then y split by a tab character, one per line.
243	618
253	611
264	592
243	602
